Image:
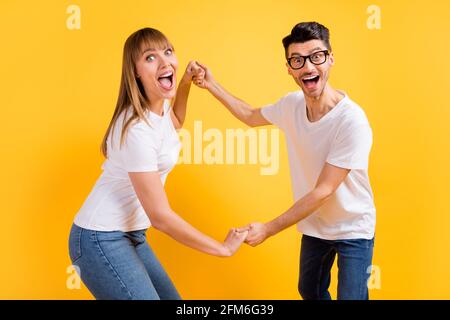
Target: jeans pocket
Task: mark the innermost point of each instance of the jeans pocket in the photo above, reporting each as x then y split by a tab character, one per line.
75	243
109	235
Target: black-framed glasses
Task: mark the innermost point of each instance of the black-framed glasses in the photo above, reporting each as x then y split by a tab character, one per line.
319	57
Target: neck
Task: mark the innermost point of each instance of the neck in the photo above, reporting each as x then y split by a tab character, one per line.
157	107
318	106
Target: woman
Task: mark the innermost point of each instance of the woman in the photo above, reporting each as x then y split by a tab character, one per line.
107	240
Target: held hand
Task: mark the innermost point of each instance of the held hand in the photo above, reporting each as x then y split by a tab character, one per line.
193	70
257	234
234	240
205	79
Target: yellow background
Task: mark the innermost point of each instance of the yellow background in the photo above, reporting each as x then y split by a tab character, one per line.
59	88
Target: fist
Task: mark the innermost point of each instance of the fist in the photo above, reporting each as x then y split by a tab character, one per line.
194	71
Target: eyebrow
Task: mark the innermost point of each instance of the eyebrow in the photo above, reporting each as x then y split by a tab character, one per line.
153	49
148	49
315	49
310	52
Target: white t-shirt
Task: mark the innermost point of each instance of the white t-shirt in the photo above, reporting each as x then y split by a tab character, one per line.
113	204
343	138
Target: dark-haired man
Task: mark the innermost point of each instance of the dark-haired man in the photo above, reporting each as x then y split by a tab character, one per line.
328	140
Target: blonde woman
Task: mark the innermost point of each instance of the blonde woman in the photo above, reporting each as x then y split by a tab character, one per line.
108	238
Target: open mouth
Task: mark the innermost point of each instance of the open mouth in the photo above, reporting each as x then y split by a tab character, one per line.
166	80
311	81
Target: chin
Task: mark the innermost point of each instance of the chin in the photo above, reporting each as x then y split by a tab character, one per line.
317	93
170	95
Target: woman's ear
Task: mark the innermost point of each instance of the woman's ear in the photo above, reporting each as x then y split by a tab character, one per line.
136	74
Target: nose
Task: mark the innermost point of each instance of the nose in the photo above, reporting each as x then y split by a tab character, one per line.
164	60
309	66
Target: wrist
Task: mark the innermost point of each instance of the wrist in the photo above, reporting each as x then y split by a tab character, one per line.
186	79
213	86
223	251
270	229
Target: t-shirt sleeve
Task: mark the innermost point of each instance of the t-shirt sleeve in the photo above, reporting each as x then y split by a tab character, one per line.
352	146
275	113
139	152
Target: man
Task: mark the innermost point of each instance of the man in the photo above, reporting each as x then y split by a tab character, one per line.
328	140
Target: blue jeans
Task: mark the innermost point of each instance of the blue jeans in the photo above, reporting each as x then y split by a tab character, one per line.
119	265
354	264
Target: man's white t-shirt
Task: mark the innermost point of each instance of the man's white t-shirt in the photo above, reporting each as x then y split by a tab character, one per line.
343	138
113	204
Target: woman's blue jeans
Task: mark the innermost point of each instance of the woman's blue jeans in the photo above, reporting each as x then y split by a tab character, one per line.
119	265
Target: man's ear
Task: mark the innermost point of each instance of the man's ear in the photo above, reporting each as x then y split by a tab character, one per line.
331	59
288	69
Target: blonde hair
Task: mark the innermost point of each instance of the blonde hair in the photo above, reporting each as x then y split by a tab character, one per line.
132	95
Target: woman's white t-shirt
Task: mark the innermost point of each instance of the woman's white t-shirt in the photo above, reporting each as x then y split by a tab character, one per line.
113	204
343	138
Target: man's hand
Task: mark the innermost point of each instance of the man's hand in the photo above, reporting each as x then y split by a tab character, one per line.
257	233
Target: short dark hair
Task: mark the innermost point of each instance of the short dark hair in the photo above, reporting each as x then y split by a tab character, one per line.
305	31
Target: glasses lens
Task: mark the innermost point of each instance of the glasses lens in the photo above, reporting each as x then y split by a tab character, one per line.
318	57
296	62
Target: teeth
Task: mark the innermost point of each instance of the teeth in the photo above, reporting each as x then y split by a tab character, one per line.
168	74
309	78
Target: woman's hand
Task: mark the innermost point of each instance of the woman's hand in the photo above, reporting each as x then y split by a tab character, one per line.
204	79
193	71
233	241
